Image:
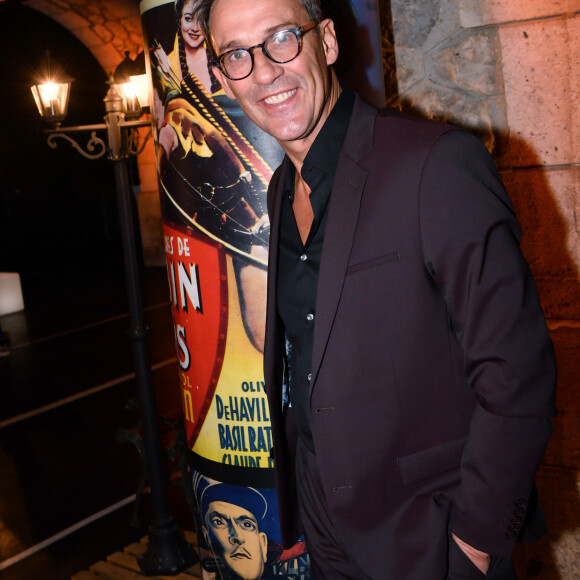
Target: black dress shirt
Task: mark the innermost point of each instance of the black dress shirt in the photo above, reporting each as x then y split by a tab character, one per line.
299	263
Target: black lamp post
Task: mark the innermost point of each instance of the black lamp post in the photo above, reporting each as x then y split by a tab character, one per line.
167	552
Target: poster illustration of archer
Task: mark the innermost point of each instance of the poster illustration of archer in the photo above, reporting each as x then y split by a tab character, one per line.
212	159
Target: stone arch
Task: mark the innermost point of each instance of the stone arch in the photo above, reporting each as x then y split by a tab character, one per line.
108	28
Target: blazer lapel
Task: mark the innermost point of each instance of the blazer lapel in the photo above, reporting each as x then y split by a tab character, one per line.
341	224
272	346
343	211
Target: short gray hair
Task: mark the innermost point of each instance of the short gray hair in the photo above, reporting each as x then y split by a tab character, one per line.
202	11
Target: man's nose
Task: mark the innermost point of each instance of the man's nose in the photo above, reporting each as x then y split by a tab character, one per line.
265	70
233	536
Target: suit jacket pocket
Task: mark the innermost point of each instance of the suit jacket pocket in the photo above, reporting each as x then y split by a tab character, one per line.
373	262
430	462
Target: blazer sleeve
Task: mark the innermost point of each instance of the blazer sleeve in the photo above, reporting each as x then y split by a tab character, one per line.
470	239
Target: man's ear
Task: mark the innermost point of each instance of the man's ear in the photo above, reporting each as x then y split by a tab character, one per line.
224	82
205	535
264	545
329	41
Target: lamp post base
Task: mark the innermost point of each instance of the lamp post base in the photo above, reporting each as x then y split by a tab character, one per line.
167	552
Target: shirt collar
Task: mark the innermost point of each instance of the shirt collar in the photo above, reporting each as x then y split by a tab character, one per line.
323	153
321	160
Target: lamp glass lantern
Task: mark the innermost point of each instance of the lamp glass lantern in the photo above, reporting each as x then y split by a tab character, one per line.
132	84
135	93
141	84
51	98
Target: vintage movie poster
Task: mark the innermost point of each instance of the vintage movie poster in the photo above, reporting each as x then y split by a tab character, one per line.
214	166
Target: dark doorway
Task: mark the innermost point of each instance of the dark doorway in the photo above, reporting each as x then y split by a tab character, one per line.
58	216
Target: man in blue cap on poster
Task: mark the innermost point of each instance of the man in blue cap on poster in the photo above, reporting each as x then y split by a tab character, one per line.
231	517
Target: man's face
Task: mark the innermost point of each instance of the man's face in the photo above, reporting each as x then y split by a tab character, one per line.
289	101
235	531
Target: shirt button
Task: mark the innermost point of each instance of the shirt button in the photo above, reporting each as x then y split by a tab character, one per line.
309	376
304	257
310	317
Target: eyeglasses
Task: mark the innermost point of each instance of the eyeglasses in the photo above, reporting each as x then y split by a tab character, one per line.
280	47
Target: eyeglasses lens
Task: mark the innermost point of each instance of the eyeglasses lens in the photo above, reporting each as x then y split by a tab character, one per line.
282	46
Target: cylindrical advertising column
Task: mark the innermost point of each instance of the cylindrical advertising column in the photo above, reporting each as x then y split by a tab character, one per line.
214	166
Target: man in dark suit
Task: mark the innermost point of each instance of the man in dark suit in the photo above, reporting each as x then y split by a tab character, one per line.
407	364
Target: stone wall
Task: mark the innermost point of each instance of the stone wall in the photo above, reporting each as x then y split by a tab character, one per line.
510	71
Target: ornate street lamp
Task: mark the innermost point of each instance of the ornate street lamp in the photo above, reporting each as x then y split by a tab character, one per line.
167	552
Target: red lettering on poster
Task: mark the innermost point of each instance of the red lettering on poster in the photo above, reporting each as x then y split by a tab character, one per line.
198	287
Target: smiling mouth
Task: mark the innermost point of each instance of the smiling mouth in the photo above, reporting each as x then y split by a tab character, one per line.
279	98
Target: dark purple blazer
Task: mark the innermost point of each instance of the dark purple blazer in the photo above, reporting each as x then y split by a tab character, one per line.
433	375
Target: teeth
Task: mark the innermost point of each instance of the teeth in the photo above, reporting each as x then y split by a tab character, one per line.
277	99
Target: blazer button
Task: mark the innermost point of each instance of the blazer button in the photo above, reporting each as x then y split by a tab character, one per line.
340	488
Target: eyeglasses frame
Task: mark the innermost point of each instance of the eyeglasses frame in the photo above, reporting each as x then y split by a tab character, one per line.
298	31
